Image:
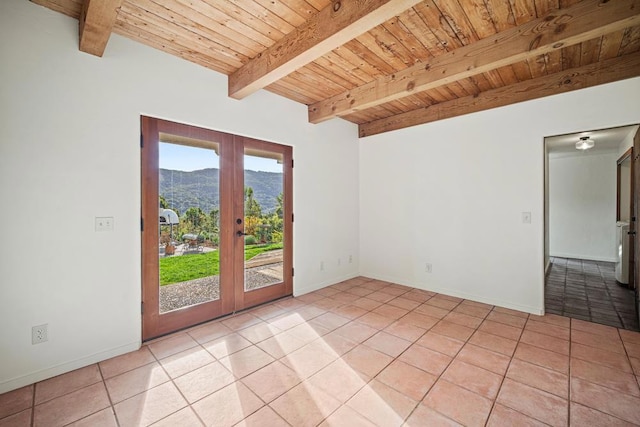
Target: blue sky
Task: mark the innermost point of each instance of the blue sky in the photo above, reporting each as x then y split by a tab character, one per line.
185	158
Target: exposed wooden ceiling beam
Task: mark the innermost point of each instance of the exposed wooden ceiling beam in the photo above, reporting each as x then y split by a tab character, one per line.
608	71
338	23
96	22
560	28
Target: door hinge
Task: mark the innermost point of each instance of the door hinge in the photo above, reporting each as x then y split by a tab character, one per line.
141	224
141	307
292	272
291	163
141	141
292	217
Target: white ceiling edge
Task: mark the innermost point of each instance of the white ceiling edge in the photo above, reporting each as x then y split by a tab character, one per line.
606	140
581	153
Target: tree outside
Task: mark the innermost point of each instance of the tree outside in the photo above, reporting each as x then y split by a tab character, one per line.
260	228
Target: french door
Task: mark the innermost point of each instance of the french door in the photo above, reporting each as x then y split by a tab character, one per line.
216	224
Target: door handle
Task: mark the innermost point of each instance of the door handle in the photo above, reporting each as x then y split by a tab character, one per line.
240	233
631	233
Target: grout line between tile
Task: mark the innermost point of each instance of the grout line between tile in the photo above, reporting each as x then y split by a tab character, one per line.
493	403
569	377
111	404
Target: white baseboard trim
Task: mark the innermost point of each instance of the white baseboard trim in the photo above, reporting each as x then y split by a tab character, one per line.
539	311
301	290
584	257
63	368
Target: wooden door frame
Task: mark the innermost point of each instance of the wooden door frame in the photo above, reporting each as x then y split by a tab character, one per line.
633	227
628	155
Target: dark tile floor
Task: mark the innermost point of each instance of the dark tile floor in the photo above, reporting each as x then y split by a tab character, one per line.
588	290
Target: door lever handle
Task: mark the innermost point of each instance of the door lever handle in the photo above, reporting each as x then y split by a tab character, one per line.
240	233
631	233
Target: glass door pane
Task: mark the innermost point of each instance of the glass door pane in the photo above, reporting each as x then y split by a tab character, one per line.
263	219
189	218
263	251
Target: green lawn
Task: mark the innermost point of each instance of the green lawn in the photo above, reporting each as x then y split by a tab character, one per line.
194	266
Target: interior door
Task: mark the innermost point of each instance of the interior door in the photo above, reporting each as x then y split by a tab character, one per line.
216	224
632	219
264	268
633	225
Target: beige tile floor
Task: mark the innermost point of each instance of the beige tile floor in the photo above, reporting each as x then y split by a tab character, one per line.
359	353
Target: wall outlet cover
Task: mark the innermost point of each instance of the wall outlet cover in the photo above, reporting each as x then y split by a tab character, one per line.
39	334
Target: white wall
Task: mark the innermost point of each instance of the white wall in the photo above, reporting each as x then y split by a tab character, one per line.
582	206
452	193
627	142
69	151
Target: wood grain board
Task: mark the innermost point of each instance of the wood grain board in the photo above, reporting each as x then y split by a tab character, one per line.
564	81
376	60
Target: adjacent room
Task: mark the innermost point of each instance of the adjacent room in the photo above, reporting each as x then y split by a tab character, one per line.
589	249
316	212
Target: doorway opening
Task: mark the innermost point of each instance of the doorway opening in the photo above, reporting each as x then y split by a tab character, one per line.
216	224
586	192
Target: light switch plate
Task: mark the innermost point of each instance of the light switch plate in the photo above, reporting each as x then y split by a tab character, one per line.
104	223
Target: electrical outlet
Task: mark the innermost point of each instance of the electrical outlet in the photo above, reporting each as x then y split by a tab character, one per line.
39	334
526	217
104	223
321	265
427	268
350	259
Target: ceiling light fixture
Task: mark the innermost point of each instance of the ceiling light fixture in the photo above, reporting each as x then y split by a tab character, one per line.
585	143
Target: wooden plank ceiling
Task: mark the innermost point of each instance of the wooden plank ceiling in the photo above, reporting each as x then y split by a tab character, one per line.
382	64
